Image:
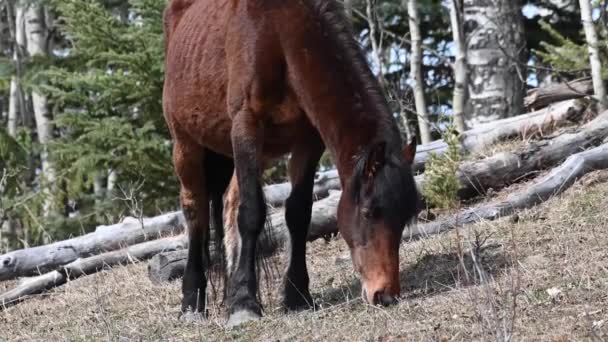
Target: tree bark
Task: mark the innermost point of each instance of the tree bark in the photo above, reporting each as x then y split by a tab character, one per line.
594	55
35	29
36	260
541	97
460	67
416	72
495	44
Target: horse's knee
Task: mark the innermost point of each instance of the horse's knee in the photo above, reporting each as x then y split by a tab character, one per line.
252	212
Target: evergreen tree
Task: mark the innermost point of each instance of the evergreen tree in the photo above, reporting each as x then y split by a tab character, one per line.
107	92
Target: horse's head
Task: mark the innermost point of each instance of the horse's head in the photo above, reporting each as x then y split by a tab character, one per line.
376	204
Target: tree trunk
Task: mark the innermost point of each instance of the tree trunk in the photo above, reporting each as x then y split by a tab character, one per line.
13	107
424	123
376	53
594	55
460	67
348	9
495	50
35	29
16	102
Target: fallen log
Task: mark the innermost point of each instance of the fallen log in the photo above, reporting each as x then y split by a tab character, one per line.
276	194
90	265
556	182
543	121
477	176
169	265
541	97
507	167
42	259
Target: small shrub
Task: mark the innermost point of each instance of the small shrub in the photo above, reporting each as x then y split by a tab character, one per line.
441	175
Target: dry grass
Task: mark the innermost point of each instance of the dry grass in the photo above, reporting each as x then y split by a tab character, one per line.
551	262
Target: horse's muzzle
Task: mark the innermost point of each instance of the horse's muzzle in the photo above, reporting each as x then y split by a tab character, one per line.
379	297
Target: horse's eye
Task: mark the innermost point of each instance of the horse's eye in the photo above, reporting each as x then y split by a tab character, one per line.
366	212
371	212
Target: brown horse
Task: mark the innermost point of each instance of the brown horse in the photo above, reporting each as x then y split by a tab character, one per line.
251	80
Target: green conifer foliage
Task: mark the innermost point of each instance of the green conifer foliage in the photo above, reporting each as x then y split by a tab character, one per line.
106	94
568	56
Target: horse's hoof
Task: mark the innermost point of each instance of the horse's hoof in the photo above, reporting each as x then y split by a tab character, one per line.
298	302
241	317
190	316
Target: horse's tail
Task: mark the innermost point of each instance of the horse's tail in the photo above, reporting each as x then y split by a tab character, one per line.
267	244
172	16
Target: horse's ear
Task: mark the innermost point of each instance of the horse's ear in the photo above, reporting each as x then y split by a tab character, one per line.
409	151
375	160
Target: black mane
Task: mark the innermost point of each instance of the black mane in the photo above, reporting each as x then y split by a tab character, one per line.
394	189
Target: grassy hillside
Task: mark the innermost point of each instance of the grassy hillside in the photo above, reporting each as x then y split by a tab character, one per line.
545	272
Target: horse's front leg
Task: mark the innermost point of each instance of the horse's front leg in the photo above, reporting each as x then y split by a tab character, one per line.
247	142
298	207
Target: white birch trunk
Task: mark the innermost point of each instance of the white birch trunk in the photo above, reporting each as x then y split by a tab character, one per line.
13	107
416	72
348	9
35	30
16	103
460	67
376	50
594	55
112	180
495	44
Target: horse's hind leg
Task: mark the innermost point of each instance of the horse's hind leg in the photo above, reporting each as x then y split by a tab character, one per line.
188	159
298	208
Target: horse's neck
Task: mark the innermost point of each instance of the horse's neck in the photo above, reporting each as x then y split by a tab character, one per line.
333	83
